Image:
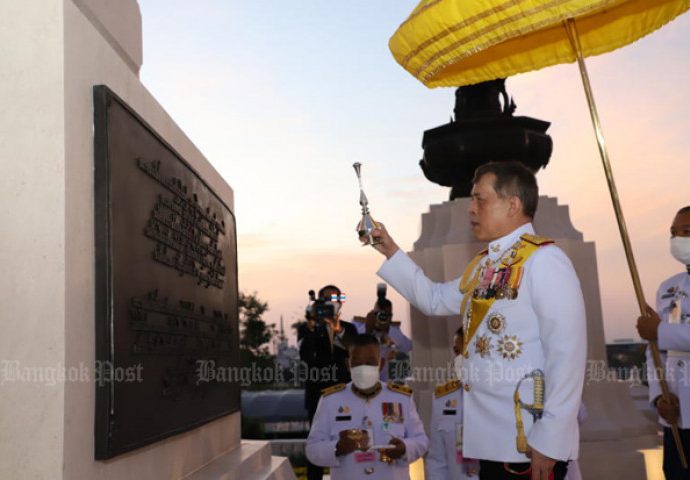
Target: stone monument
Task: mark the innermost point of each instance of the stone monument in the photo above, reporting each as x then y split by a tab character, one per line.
62	415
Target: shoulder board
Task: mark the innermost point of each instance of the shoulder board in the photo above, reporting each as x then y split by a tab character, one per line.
335	388
536	239
446	388
400	388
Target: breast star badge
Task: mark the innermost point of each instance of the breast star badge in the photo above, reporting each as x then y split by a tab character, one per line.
483	346
497	323
509	347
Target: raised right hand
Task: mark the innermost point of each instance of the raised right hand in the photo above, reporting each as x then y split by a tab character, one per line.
386	245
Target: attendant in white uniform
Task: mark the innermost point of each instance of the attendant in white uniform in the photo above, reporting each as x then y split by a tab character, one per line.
669	325
523	314
352	418
445	459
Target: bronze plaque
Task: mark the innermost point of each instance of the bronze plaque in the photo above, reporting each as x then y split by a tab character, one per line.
166	287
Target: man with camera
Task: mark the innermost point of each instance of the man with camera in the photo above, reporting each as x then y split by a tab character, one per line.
393	342
323	342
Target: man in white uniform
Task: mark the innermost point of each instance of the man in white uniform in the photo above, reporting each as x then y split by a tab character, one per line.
351	418
445	459
670	326
523	314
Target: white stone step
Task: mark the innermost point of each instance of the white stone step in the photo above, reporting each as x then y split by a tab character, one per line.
279	469
252	460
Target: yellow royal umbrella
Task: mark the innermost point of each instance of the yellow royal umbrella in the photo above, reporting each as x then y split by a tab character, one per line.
451	43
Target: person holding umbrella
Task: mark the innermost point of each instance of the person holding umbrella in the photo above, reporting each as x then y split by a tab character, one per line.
670	326
523	315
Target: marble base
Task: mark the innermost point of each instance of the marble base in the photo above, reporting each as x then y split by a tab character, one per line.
54	52
251	460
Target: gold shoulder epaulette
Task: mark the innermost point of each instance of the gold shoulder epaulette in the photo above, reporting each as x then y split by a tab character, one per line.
400	388
333	389
536	239
446	388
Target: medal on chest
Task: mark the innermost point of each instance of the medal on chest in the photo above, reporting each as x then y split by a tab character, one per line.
486	281
392	412
675	309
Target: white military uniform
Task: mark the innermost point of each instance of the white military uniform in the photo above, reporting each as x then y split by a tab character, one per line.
445	460
543	328
394	341
673	307
390	413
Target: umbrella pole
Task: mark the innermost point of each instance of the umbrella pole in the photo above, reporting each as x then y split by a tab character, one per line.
659	368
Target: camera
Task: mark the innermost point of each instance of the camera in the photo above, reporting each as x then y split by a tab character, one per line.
319	308
383	315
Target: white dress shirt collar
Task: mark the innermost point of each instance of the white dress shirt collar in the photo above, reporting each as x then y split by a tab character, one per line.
499	246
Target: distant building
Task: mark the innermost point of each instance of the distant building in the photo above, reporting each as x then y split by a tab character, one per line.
287	356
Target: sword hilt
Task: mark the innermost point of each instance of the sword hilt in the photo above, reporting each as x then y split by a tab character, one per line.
536	408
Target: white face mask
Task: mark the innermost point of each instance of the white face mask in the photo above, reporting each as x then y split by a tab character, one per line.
364	377
680	249
457	365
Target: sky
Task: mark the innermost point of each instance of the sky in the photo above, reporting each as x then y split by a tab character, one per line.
283	97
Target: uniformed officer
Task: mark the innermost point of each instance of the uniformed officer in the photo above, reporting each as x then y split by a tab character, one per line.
445	459
523	315
351	418
670	326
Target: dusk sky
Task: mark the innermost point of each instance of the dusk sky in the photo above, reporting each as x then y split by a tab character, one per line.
284	96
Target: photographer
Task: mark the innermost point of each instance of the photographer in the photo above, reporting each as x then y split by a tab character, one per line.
324	339
394	344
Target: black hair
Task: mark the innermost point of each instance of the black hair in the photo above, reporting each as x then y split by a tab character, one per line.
513	179
328	287
683	210
459	332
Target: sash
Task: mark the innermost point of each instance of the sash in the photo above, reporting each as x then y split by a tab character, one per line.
480	306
